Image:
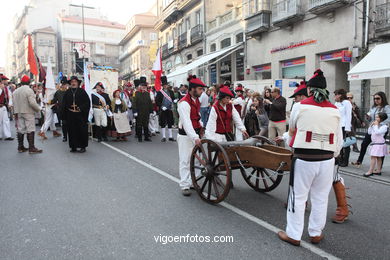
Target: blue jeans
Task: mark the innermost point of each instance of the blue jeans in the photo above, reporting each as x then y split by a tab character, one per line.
204	114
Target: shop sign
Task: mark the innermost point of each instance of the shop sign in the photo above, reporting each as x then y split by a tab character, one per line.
295	62
346	56
331	56
262	68
213	73
293	45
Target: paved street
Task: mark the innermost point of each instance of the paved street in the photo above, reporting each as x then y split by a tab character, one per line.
111	203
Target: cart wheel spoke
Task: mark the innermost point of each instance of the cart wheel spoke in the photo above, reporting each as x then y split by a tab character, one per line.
264	180
199	178
269	176
215	188
257	179
204	185
209	190
215	157
209	151
200	160
204	153
219	182
199	167
220	173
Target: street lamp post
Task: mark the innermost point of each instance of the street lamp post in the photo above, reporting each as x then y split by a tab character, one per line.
82	6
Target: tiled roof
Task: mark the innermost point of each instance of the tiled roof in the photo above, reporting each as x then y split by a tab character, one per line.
92	21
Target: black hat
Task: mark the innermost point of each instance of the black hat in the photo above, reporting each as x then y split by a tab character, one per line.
136	82
318	80
99	84
164	80
64	80
74	78
142	80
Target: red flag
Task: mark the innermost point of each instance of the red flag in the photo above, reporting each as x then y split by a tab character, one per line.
157	71
42	72
31	57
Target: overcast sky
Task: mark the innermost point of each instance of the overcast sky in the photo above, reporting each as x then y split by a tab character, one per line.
115	10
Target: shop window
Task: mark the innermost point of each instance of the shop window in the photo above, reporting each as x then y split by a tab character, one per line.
294	72
239	37
189	57
213	47
226	43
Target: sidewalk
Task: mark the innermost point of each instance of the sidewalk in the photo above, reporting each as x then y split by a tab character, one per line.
366	165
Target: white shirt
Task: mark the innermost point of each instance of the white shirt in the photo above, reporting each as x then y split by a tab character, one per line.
345	108
184	110
212	123
240	101
204	100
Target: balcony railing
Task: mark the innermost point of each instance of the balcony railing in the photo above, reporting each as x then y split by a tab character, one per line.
382	19
286	12
196	33
322	6
226	17
165	52
258	23
183	40
212	25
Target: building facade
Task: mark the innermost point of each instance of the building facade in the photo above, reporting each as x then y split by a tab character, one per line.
138	47
180	25
102	39
224	24
45	45
36	15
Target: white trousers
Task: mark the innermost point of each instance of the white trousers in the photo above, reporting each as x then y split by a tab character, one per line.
100	117
315	178
5	130
153	123
185	148
49	120
239	135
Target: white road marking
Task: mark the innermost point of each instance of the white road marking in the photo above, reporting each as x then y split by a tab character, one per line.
228	206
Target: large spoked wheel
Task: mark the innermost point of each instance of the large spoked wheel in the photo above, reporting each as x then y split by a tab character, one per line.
210	171
261	179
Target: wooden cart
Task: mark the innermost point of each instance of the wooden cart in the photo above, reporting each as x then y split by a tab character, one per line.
260	161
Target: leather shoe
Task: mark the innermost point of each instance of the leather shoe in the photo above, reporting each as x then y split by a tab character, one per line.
186	192
317	239
82	150
283	236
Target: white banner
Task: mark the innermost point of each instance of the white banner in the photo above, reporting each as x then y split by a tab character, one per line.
83	48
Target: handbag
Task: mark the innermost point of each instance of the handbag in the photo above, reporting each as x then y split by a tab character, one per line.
350	140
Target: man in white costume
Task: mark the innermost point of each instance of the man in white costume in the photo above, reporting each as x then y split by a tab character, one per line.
190	127
315	128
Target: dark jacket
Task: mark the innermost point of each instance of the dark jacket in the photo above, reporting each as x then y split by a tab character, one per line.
160	98
252	123
278	109
142	104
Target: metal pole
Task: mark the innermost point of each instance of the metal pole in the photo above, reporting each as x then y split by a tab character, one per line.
82	15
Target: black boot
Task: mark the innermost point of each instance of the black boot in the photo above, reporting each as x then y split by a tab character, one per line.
31	147
345	157
98	133
104	134
64	132
21	148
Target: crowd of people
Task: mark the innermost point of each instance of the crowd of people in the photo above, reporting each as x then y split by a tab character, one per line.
319	133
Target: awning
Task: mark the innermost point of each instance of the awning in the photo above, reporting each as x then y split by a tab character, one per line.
375	65
201	60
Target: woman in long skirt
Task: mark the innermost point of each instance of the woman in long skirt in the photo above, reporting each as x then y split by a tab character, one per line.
120	120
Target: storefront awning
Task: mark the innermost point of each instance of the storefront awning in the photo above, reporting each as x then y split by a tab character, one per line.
202	60
375	65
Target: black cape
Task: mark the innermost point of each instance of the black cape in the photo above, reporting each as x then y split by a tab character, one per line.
77	122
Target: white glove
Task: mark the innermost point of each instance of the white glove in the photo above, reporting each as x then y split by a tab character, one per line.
154	113
135	114
176	100
164	108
